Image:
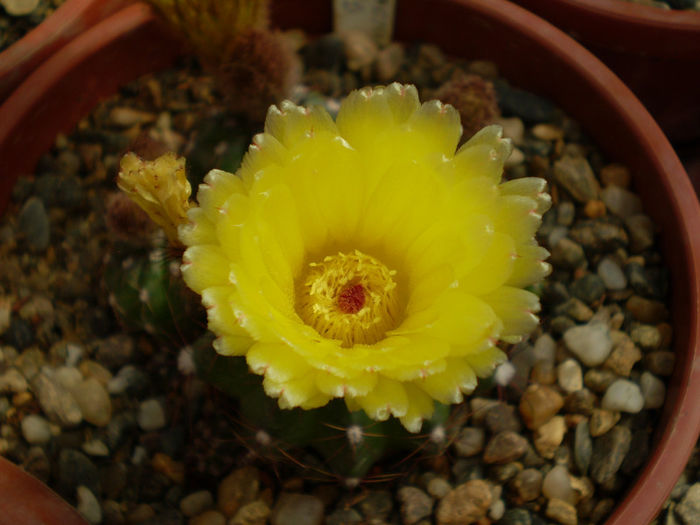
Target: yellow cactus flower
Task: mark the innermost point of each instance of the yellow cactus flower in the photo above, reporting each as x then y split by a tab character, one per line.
365	258
159	187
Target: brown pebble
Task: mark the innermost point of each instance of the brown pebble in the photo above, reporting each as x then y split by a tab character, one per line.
543	372
505	447
237	489
599	380
466	503
660	363
646	310
549	436
594	209
173	470
527	484
254	513
140	513
666	332
561	512
209	517
22	398
547	132
602	420
538	404
623	358
615	175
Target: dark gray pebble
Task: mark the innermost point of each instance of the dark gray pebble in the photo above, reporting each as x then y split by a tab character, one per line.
609	452
590	288
74	469
523	104
33	224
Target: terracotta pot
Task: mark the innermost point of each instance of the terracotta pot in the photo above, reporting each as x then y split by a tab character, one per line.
656	53
68	21
532	54
26	500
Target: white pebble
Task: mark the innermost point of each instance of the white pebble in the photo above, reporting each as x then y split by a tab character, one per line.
504	373
139	455
96	448
653	390
74	353
19	7
611	274
516	158
513	128
590	342
196	503
151	415
68	376
623	396
545	348
557	485
36	430
570	375
497	510
88	505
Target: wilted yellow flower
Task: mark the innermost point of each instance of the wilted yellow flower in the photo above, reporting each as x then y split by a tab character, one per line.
364	258
209	25
159	187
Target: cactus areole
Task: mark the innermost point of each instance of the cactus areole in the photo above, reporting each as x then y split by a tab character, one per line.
368	258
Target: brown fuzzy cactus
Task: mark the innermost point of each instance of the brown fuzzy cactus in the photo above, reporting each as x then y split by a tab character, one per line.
254	66
259	69
475	99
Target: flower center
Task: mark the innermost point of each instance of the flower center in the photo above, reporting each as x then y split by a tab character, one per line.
350	297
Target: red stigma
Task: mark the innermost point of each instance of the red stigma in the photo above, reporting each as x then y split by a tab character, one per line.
352	299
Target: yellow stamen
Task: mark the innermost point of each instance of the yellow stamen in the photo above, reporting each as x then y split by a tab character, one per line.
350	297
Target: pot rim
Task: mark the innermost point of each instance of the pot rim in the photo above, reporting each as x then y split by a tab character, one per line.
625	26
677	440
674	19
69	20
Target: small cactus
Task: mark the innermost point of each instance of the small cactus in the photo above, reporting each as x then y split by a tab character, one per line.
147	293
474	98
254	67
348	443
258	70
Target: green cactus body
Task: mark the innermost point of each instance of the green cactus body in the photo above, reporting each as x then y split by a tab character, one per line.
147	293
349	443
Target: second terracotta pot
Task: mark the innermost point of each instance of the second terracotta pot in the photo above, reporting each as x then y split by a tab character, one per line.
654	51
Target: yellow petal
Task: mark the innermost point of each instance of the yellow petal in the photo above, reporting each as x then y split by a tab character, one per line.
232	345
290	123
420	407
277	362
532	187
529	267
439	126
204	266
448	386
198	229
484	154
335	386
363	114
516	308
388	398
291	394
265	151
485	362
217	188
495	268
